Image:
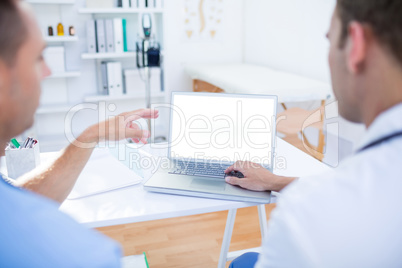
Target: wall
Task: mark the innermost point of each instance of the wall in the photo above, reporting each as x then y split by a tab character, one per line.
289	35
178	53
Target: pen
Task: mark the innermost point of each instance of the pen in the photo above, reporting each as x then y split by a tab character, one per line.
15	143
34	143
146	261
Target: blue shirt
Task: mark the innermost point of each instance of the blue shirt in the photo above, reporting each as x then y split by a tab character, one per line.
34	233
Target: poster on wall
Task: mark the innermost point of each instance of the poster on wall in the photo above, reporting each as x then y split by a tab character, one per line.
203	20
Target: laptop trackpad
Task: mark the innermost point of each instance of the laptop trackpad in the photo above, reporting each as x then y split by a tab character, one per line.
208	185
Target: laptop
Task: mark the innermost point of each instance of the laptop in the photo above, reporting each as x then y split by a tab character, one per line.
208	133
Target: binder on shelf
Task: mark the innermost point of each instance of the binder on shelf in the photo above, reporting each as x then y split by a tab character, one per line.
100	36
158	3
109	35
118	78
105	85
110	78
118	35
126	3
91	36
141	3
124	23
114	78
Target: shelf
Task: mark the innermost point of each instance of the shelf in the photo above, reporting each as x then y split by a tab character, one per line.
52	109
120	98
58	39
52	2
64	75
119	10
91	56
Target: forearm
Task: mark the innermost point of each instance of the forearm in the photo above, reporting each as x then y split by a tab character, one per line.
56	180
279	183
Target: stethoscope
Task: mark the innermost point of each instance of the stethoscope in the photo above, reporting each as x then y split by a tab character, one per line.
379	141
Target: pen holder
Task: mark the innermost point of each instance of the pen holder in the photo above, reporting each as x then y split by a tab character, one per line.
21	161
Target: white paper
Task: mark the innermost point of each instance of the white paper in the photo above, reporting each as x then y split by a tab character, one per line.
135	261
103	173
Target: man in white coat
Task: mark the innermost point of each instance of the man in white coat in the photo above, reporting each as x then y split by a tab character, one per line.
350	216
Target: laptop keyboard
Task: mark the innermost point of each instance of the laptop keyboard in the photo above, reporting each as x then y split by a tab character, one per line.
213	170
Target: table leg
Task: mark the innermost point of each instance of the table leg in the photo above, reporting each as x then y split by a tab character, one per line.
227	237
262	215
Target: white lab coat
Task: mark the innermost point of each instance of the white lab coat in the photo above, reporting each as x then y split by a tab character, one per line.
348	217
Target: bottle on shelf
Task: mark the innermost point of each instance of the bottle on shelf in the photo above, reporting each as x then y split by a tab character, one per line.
60	30
71	31
50	31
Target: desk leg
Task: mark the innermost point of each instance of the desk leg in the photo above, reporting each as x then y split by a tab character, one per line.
227	237
262	215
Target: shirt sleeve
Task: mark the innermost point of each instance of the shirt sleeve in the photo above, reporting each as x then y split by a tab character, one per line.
284	245
288	242
34	233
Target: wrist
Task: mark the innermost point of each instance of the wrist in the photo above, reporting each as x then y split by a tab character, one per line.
280	182
88	139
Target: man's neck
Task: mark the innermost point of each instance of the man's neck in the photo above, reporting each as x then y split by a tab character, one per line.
384	92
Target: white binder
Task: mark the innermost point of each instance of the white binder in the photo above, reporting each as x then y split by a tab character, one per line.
141	4
100	36
118	78
118	35
110	78
115	79
109	36
126	3
105	84
91	36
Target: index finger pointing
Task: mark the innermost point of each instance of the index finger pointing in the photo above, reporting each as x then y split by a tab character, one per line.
143	113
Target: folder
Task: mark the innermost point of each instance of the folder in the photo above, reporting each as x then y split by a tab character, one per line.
141	4
124	23
115	80
100	36
105	85
91	36
158	3
126	3
118	78
109	36
110	78
118	35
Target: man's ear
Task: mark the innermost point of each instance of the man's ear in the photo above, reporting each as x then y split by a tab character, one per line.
356	47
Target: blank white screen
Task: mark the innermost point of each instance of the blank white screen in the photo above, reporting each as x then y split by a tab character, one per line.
222	128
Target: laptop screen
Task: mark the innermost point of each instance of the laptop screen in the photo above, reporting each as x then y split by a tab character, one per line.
223	127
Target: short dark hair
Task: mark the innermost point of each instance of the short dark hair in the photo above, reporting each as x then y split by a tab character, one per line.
13	31
384	17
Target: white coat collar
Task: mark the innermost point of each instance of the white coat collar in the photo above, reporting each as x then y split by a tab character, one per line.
387	123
